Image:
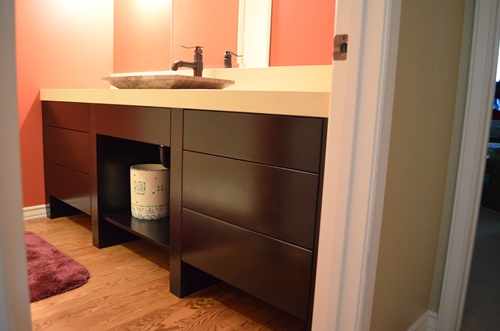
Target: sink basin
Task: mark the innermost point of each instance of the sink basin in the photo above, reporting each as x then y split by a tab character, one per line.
167	82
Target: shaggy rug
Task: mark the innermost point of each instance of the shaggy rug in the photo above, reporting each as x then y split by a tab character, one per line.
51	271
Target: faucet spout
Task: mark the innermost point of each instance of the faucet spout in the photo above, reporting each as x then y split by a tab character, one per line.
176	65
196	65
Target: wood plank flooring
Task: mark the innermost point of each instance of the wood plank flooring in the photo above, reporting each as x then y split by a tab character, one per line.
128	290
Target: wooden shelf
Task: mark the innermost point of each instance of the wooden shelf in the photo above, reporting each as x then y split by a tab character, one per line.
155	231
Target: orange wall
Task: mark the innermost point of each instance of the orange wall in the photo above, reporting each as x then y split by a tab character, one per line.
60	44
142	31
302	32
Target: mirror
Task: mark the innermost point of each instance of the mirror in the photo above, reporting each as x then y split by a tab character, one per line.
239	26
210	24
148	33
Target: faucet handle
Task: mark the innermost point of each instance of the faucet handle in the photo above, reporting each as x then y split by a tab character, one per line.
228	58
198	49
229	53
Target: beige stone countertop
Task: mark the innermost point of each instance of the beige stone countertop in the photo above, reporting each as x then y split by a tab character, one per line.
298	103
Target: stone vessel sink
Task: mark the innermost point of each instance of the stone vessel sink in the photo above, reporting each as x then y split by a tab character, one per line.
167	82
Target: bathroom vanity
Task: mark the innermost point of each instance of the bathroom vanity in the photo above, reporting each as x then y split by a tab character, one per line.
245	181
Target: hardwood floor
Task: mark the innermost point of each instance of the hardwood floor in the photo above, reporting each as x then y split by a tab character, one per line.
128	290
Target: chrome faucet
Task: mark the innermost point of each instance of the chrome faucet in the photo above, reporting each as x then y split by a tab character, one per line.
197	65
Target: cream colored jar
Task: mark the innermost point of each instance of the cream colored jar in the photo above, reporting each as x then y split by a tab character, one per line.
149	191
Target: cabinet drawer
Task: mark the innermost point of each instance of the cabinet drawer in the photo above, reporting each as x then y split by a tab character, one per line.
68	185
274	201
269	269
68	115
144	124
285	141
68	148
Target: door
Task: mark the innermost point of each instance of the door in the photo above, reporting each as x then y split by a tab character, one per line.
356	163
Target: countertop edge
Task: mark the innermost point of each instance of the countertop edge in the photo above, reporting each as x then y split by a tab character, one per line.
296	103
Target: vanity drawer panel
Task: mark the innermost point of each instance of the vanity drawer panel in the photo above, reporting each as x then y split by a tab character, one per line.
144	124
274	271
285	141
69	115
68	185
68	148
274	201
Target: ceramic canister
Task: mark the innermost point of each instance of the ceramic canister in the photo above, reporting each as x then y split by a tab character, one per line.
149	191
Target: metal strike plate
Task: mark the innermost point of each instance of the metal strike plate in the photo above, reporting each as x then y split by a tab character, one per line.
340	47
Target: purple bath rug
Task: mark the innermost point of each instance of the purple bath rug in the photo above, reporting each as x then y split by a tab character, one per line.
51	271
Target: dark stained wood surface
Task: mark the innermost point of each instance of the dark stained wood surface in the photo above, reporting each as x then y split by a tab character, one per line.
274	201
272	270
115	156
155	231
285	141
144	124
69	186
69	115
68	147
66	157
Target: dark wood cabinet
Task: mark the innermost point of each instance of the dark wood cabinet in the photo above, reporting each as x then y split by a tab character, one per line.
284	141
251	200
67	115
126	136
145	124
245	191
66	143
274	201
277	272
70	187
69	148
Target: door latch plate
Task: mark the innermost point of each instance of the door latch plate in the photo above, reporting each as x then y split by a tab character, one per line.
340	47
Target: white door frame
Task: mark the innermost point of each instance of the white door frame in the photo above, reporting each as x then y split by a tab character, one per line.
356	163
470	176
14	292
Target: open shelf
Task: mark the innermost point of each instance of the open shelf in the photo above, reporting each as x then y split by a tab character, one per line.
155	231
115	156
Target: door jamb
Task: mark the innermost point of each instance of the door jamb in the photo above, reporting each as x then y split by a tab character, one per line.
356	164
472	161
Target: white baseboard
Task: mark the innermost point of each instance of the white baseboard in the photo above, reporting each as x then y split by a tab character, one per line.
432	323
426	322
33	212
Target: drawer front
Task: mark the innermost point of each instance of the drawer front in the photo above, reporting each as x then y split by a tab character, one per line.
68	148
269	269
69	185
285	141
144	124
67	115
274	201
